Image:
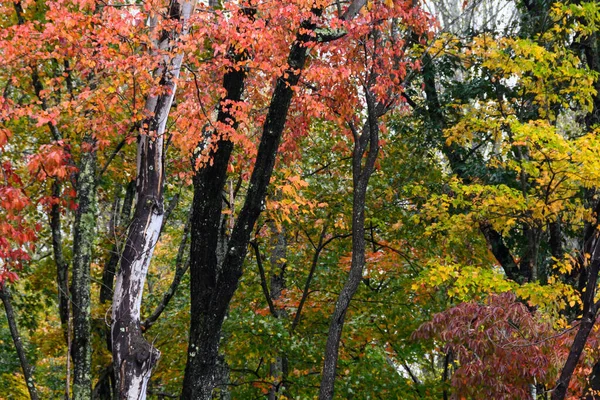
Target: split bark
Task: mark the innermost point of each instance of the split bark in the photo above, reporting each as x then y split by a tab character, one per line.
133	356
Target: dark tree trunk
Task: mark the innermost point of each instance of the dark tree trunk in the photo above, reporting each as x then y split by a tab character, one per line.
367	143
83	240
278	368
14	332
213	285
590	310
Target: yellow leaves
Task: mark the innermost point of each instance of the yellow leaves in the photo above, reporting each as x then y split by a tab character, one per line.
483	119
564	266
550	167
462	282
551	298
13	386
446	44
290	199
552	76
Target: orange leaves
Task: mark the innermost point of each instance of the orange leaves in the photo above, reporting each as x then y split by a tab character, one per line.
12	199
5	134
51	161
45	117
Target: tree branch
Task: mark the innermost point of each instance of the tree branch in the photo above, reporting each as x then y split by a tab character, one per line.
263	278
14	332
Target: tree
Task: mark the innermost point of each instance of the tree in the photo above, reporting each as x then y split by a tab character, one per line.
385	171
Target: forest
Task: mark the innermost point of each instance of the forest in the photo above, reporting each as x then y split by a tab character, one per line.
349	199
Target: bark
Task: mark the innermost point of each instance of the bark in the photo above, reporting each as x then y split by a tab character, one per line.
500	251
133	356
14	332
62	267
365	143
105	386
83	239
213	285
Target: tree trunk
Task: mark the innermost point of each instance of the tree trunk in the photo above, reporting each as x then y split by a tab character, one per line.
14	332
62	267
278	368
361	175
213	285
133	356
83	239
105	387
590	310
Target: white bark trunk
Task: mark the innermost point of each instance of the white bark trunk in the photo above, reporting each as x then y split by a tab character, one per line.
133	356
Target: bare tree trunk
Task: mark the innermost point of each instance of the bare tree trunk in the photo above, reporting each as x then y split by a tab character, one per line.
365	142
105	387
14	332
133	356
83	239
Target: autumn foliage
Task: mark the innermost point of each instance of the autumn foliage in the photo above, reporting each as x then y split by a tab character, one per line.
478	249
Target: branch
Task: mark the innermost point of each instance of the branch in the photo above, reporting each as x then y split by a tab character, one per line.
110	267
62	267
353	9
120	145
500	251
14	332
180	270
263	278
320	246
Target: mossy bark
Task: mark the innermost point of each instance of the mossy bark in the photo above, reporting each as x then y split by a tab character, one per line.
84	234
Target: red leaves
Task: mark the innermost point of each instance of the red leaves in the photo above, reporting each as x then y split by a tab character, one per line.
501	346
51	161
17	237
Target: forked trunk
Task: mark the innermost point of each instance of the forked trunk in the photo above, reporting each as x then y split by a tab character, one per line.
367	143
